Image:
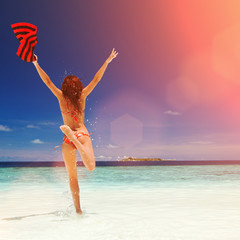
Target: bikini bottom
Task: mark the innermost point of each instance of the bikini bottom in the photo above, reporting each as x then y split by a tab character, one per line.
77	134
68	141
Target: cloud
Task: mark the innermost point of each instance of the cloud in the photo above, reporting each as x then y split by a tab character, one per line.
48	123
32	126
5	128
103	157
112	146
37	141
170	112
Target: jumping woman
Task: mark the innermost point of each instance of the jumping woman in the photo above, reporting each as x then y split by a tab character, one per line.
72	99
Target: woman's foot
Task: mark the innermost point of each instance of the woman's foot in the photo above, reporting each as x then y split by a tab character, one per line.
66	129
79	212
69	133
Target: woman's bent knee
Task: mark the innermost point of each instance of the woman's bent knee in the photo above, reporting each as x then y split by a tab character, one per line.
91	167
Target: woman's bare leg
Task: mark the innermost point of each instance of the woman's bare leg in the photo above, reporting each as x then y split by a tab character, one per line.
69	156
84	147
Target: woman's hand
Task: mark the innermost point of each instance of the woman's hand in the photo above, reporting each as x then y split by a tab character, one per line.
34	62
112	56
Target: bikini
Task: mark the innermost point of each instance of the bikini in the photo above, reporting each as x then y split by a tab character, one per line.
74	113
78	134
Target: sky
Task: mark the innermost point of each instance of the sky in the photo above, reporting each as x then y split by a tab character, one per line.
173	91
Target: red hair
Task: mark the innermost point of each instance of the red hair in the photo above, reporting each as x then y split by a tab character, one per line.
72	88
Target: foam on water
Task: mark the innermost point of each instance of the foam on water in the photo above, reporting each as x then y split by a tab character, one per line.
156	202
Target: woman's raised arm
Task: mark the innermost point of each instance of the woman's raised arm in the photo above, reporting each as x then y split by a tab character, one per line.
88	89
46	79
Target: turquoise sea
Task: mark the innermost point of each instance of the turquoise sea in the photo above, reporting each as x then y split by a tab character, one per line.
137	202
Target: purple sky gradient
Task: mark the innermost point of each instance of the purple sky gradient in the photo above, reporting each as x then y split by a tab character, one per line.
177	74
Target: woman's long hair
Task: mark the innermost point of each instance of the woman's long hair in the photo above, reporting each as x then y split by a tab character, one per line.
72	88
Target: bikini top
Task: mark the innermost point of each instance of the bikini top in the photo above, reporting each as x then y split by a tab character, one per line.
74	113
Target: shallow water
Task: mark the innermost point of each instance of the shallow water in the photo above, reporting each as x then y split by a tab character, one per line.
153	202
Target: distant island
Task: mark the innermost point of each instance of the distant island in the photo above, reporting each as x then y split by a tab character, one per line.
141	159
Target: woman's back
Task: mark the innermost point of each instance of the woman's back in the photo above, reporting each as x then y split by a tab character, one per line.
72	117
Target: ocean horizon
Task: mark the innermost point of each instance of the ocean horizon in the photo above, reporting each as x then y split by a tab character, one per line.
112	163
